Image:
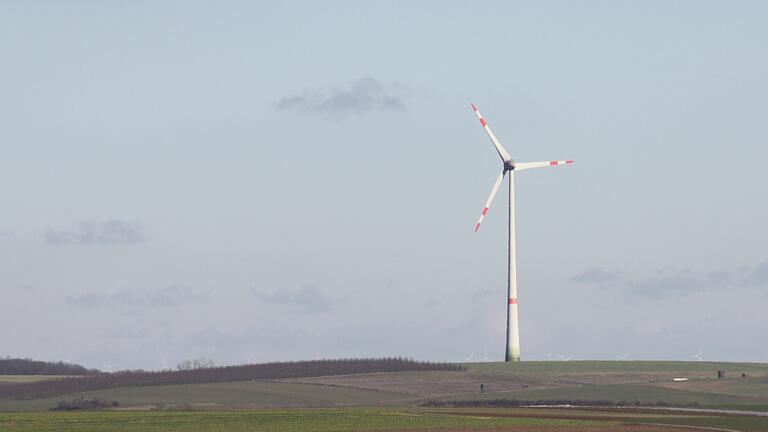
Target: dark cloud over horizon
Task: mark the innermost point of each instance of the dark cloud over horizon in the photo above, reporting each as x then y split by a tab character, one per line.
667	283
110	232
363	95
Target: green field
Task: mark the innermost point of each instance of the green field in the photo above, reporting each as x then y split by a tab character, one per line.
605	367
630	393
360	419
393	401
261	420
220	395
629	381
28	378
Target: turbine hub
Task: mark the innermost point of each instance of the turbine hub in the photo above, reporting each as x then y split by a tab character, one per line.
509	165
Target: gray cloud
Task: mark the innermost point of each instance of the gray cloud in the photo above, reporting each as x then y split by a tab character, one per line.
167	297
665	284
110	232
759	276
312	299
363	95
596	275
722	278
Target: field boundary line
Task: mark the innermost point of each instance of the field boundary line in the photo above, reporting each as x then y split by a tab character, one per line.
687	427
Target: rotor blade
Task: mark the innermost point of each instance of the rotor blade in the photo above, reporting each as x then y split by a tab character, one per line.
528	165
490	199
503	153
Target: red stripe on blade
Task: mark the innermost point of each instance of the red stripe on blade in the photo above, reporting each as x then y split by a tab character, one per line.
553	162
569	161
485	210
474	108
482	121
477	227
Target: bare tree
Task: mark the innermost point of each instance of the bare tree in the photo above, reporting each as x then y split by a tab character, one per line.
198	363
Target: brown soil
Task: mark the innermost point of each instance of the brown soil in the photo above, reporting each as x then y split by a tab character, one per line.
440	384
725	386
425	384
590	428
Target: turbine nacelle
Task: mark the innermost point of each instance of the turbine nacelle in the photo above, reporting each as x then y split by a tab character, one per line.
509	164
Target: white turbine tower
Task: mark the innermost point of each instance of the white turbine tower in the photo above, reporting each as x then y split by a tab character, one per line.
510	166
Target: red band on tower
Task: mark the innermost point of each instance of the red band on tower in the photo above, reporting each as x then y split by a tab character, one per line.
513	301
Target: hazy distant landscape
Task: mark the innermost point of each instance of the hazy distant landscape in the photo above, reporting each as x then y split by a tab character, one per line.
396	394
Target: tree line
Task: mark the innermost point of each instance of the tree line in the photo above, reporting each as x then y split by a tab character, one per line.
25	366
264	371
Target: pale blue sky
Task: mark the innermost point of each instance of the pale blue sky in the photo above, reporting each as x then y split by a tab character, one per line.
283	181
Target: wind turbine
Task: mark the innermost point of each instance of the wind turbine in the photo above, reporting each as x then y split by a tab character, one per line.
698	356
509	167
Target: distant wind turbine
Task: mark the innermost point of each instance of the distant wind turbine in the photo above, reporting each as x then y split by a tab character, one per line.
512	352
698	356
